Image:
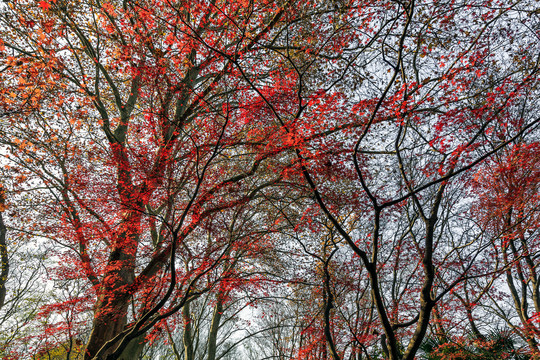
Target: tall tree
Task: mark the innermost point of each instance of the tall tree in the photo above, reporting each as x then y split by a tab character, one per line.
432	97
507	208
135	123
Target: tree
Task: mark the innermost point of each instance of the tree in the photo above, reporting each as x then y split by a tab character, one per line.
142	128
409	138
134	123
507	208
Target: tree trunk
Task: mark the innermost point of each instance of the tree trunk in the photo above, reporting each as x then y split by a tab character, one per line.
106	327
214	327
188	336
4	262
134	349
110	314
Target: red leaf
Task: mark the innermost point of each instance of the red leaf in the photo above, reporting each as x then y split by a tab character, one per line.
44	5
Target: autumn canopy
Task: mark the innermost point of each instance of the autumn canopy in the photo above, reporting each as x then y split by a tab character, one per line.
270	179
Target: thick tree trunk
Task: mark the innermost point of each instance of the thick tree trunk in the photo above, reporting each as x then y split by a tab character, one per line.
105	328
110	314
134	350
104	331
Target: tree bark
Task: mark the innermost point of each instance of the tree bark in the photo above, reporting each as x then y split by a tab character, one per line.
188	336
214	327
110	314
4	261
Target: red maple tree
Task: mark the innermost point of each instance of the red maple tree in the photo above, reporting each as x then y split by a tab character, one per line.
149	132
